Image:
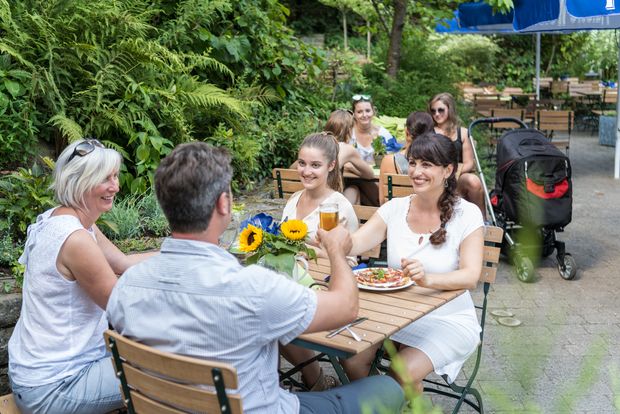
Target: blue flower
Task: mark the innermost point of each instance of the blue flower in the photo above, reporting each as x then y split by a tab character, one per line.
264	221
391	145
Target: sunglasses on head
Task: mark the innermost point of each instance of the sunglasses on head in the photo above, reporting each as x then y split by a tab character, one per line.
357	98
85	147
438	111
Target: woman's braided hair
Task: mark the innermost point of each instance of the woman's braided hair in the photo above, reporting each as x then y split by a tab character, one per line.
439	150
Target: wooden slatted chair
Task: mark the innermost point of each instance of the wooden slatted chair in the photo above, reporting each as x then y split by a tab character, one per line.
608	101
484	105
492	242
551	122
395	185
157	382
286	182
7	405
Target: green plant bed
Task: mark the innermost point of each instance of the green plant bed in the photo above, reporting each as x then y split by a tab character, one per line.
140	244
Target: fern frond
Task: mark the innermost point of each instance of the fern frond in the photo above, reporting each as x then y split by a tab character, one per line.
208	96
10	50
67	126
117	148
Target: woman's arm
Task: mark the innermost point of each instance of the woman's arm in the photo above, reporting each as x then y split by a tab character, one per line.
387	167
81	259
119	261
371	233
348	154
468	152
467	275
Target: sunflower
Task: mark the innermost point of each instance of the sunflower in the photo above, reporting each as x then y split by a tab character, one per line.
294	229
250	239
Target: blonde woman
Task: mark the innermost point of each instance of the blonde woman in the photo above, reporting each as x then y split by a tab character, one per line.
58	361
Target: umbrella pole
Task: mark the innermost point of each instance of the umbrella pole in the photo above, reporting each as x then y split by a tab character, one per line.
537	66
617	158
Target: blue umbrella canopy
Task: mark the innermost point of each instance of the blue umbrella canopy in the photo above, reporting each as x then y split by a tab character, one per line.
546	16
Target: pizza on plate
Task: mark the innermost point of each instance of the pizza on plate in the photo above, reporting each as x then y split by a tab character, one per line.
381	277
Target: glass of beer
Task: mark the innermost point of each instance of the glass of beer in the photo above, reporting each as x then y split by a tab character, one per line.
328	215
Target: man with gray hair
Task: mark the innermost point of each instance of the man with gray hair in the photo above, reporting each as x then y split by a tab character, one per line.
195	299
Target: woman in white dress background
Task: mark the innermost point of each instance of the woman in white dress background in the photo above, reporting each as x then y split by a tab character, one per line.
436	238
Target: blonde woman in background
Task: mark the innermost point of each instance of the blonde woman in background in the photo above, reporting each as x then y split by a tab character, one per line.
340	124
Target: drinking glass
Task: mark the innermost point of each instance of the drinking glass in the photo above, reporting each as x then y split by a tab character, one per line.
328	216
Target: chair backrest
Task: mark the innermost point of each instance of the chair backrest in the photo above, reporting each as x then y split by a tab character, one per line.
507	113
544	82
492	241
561	121
395	185
7	405
576	89
154	381
610	96
484	105
558	87
286	182
509	90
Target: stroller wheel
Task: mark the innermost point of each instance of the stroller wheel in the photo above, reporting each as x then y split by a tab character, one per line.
568	269
524	269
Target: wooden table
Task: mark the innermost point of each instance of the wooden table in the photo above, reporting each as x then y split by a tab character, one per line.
387	313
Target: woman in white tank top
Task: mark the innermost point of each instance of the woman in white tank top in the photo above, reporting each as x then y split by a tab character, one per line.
57	356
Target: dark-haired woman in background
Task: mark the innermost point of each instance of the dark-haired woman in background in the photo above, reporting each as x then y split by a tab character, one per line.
417	123
443	109
436	238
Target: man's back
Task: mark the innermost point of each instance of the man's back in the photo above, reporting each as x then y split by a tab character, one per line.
196	300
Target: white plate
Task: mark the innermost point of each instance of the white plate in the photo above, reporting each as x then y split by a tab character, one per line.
378	288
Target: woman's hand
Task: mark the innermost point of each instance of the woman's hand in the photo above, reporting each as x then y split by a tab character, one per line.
414	269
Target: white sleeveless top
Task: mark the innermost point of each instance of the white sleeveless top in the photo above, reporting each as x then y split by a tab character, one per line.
60	329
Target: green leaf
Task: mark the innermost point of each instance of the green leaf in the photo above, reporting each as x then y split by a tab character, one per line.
4	102
143	152
276	70
12	87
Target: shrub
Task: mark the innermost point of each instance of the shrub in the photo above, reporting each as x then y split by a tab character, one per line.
24	195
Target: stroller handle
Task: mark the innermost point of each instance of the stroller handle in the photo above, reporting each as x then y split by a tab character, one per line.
494	120
491	120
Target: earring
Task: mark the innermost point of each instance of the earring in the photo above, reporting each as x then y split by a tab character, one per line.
445	183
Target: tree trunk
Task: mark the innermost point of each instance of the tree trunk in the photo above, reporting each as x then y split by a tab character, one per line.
344	29
368	40
396	37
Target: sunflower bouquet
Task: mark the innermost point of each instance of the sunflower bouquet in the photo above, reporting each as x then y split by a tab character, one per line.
274	245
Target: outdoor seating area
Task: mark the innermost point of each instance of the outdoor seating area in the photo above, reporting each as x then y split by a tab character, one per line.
303	208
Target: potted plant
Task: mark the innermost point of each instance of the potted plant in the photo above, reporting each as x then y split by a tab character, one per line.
379	149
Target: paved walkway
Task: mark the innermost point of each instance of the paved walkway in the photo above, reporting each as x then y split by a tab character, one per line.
561	358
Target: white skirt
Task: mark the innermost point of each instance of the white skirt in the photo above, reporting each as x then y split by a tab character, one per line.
448	335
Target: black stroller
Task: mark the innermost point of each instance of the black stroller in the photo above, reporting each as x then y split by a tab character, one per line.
532	198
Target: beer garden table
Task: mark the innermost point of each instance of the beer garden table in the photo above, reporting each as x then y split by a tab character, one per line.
387	313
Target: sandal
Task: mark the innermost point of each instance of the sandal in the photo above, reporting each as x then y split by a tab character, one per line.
324	382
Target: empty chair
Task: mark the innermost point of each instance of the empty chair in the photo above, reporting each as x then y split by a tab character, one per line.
552	122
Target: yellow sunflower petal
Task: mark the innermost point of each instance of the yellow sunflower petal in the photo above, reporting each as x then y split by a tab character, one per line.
250	239
294	229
